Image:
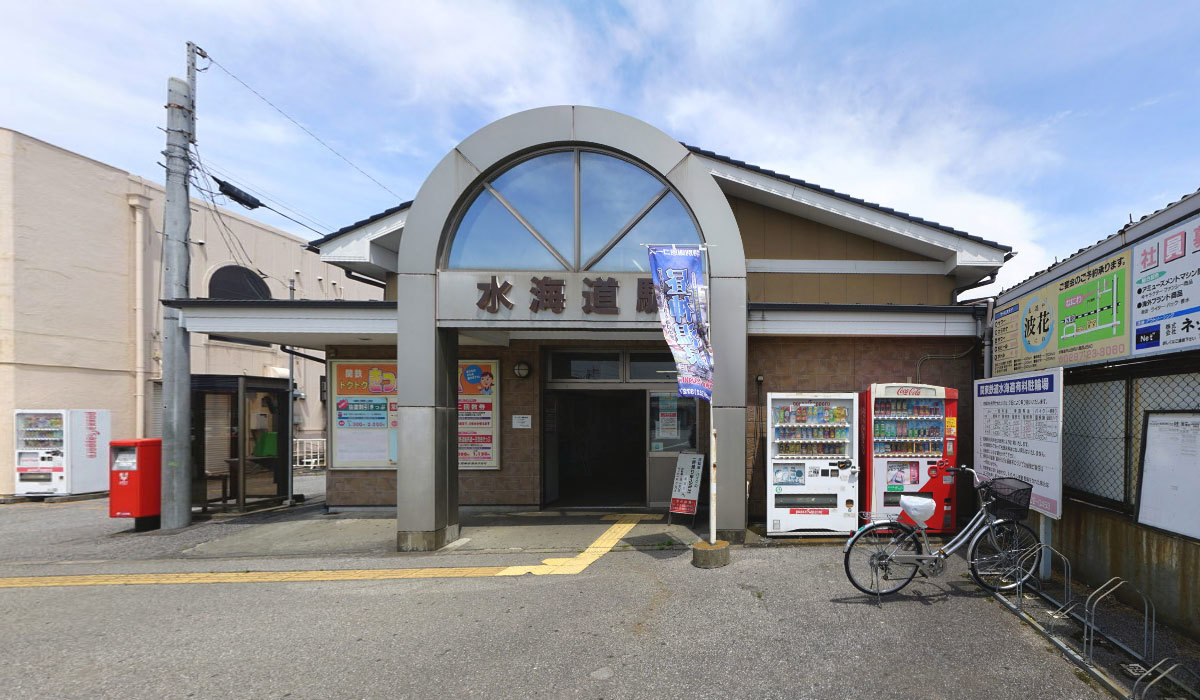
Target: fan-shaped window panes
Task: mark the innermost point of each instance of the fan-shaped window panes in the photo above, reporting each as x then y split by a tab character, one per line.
574	209
667	222
236	282
490	237
612	192
543	190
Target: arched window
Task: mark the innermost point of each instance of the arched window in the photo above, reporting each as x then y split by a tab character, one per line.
572	209
236	282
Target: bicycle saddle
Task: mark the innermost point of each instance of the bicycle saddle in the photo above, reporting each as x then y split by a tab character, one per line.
918	508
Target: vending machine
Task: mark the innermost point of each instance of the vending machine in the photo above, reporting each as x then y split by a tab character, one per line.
909	437
812	464
61	452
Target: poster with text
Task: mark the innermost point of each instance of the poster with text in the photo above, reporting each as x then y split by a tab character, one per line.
1166	302
364	414
1018	434
685	493
478	414
1081	318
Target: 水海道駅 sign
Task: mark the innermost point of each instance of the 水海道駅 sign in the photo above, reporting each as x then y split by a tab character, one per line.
682	296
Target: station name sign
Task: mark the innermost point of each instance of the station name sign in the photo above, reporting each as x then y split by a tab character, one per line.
533	297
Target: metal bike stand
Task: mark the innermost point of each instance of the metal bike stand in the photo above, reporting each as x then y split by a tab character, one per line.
1193	690
1033	553
1149	622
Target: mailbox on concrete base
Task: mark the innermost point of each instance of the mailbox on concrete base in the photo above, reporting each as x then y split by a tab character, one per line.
135	482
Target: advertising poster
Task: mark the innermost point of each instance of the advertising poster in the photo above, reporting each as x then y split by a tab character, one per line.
1018	434
686	491
363	414
668	418
478	414
1081	318
682	296
1166	303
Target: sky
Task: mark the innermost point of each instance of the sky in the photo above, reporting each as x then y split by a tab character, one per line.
1044	126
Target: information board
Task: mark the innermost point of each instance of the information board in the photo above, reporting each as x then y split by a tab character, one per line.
1018	433
1170	472
1080	318
364	416
479	414
686	491
1166	290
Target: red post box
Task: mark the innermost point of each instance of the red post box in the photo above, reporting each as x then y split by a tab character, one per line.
135	481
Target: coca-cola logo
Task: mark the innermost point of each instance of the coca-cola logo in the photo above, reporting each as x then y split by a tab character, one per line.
908	391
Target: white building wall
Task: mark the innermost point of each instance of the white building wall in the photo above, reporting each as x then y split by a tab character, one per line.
68	325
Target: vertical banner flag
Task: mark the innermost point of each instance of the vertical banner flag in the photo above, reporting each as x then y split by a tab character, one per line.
682	296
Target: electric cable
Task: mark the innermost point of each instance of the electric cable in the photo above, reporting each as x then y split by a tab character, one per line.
214	62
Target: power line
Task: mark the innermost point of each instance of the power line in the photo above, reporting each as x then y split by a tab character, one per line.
301	126
237	180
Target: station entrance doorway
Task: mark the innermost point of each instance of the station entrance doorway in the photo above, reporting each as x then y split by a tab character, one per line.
596	452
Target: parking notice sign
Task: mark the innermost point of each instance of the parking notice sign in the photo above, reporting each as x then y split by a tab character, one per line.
686	491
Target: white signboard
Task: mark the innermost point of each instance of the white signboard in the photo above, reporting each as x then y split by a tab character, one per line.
1166	290
685	493
522	422
1018	433
1170	472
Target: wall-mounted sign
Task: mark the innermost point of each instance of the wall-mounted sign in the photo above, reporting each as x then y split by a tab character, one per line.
363	414
1166	290
1080	318
1170	472
1018	433
478	414
522	422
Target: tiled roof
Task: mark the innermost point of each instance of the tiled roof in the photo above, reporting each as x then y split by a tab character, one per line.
315	245
846	197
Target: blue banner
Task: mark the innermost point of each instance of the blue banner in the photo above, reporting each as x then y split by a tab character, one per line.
682	296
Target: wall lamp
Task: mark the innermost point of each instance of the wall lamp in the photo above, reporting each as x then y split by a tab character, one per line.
521	369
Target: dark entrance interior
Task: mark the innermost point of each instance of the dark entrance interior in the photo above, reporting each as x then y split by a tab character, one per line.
596	448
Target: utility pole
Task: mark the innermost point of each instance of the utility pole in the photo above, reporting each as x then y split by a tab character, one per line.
291	407
177	364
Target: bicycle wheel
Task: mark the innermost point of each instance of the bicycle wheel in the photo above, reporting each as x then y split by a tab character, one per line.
869	564
1001	556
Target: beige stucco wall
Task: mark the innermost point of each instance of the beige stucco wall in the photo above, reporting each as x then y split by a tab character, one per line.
68	327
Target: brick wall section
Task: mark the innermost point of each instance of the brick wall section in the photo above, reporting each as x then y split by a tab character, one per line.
846	365
519	480
360	487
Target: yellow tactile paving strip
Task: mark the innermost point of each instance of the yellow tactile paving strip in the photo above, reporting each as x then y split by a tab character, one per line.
557	566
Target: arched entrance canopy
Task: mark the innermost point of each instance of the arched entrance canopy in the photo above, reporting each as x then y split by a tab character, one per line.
429	319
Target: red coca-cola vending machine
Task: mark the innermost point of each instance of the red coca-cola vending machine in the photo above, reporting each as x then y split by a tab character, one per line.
909	437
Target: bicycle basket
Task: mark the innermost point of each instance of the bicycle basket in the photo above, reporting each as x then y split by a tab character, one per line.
1010	498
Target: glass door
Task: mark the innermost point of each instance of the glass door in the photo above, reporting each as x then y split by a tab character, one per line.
672	427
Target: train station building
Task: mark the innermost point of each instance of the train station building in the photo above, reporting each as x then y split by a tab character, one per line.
517	357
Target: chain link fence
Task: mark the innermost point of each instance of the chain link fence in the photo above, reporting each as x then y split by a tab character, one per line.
1094	439
1102	431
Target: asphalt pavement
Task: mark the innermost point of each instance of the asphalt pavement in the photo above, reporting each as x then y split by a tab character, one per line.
638	621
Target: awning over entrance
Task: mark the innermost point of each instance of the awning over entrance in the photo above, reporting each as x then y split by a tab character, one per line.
301	323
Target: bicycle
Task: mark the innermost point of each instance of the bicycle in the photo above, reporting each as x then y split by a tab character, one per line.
884	556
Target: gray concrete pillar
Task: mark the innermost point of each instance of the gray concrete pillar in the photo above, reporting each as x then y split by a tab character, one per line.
427	469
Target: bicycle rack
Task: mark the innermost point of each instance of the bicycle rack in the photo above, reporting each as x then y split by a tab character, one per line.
1068	602
1090	628
1194	691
